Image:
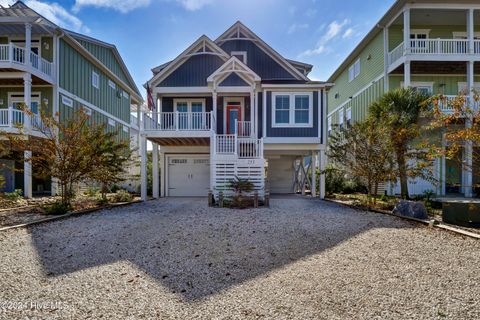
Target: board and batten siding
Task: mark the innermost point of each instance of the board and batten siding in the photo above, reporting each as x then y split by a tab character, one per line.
66	112
106	56
233	80
76	78
193	72
293	132
257	60
371	67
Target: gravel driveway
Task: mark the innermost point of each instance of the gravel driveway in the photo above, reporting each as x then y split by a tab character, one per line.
179	259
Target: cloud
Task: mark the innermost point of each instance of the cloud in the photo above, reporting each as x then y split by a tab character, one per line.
297	27
334	29
310	12
193	5
6	3
348	33
122	6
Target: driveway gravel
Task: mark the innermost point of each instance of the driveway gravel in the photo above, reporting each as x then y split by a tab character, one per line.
176	258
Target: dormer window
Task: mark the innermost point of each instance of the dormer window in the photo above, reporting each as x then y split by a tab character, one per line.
240	55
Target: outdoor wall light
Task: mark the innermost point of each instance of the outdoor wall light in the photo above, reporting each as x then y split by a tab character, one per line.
46	45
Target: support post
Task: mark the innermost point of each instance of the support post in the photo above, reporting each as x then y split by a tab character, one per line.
407	75
27	175
143	168
386	50
322	164
155	172
162	173
470	31
314	173
28	43
27	97
253	128
406	30
468	152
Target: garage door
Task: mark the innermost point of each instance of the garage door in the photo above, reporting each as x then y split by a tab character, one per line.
188	176
281	174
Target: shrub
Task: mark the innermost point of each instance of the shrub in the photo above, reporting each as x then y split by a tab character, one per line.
334	180
92	192
122	196
115	188
57	208
101	201
13	196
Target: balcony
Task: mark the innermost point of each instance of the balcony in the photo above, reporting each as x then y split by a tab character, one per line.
433	49
11	119
447	107
178	124
14	56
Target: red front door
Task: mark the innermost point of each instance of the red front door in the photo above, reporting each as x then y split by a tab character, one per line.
234	114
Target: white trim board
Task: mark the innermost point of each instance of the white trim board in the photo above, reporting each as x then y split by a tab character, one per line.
91	106
242	108
291	110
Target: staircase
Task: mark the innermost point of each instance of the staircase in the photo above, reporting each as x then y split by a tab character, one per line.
236	155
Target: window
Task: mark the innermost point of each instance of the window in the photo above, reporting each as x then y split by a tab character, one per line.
282	109
240	55
112	84
349	117
292	109
354	70
67	101
340	118
301	109
125	94
329	125
95	80
418	38
424	87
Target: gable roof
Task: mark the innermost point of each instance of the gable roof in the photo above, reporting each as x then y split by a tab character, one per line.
234	65
238	31
203	45
20	11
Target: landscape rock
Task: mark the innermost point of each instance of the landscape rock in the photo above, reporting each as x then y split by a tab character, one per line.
412	209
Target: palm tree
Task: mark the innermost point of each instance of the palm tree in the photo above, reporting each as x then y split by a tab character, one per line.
399	111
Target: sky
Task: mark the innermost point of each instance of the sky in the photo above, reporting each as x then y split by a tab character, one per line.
148	33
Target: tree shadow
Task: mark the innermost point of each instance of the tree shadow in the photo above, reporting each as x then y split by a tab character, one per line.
196	251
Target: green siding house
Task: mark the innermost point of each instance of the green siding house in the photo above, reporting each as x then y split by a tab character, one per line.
434	47
45	66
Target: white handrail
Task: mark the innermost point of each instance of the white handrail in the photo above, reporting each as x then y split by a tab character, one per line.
244	128
4	52
225	144
476	46
15	54
178	121
4	122
250	148
396	53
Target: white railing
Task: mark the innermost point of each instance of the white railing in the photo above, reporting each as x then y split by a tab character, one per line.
14	54
178	121
250	148
12	117
476	45
439	46
447	104
225	144
396	53
244	128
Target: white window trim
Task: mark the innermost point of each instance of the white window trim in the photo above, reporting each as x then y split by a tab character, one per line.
98	80
112	84
226	102
34	97
189	104
125	94
348	116
240	53
329	124
464	34
67	101
291	123
111	122
420	31
352	69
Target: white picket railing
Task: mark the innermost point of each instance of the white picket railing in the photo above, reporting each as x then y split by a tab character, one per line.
432	47
12	117
225	143
15	54
250	148
178	121
244	128
447	104
4	117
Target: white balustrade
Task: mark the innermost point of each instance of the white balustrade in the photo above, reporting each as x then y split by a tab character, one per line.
178	121
250	148
15	54
477	46
244	128
396	53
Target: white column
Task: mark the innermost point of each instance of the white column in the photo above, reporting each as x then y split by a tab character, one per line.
322	164
143	168
264	114
407	81
468	152
27	97
214	111
252	113
406	30
162	173
27	174
28	43
470	31
386	50
155	172
314	173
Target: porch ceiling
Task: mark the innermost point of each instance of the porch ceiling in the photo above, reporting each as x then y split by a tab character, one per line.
438	17
181	142
19	82
438	67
